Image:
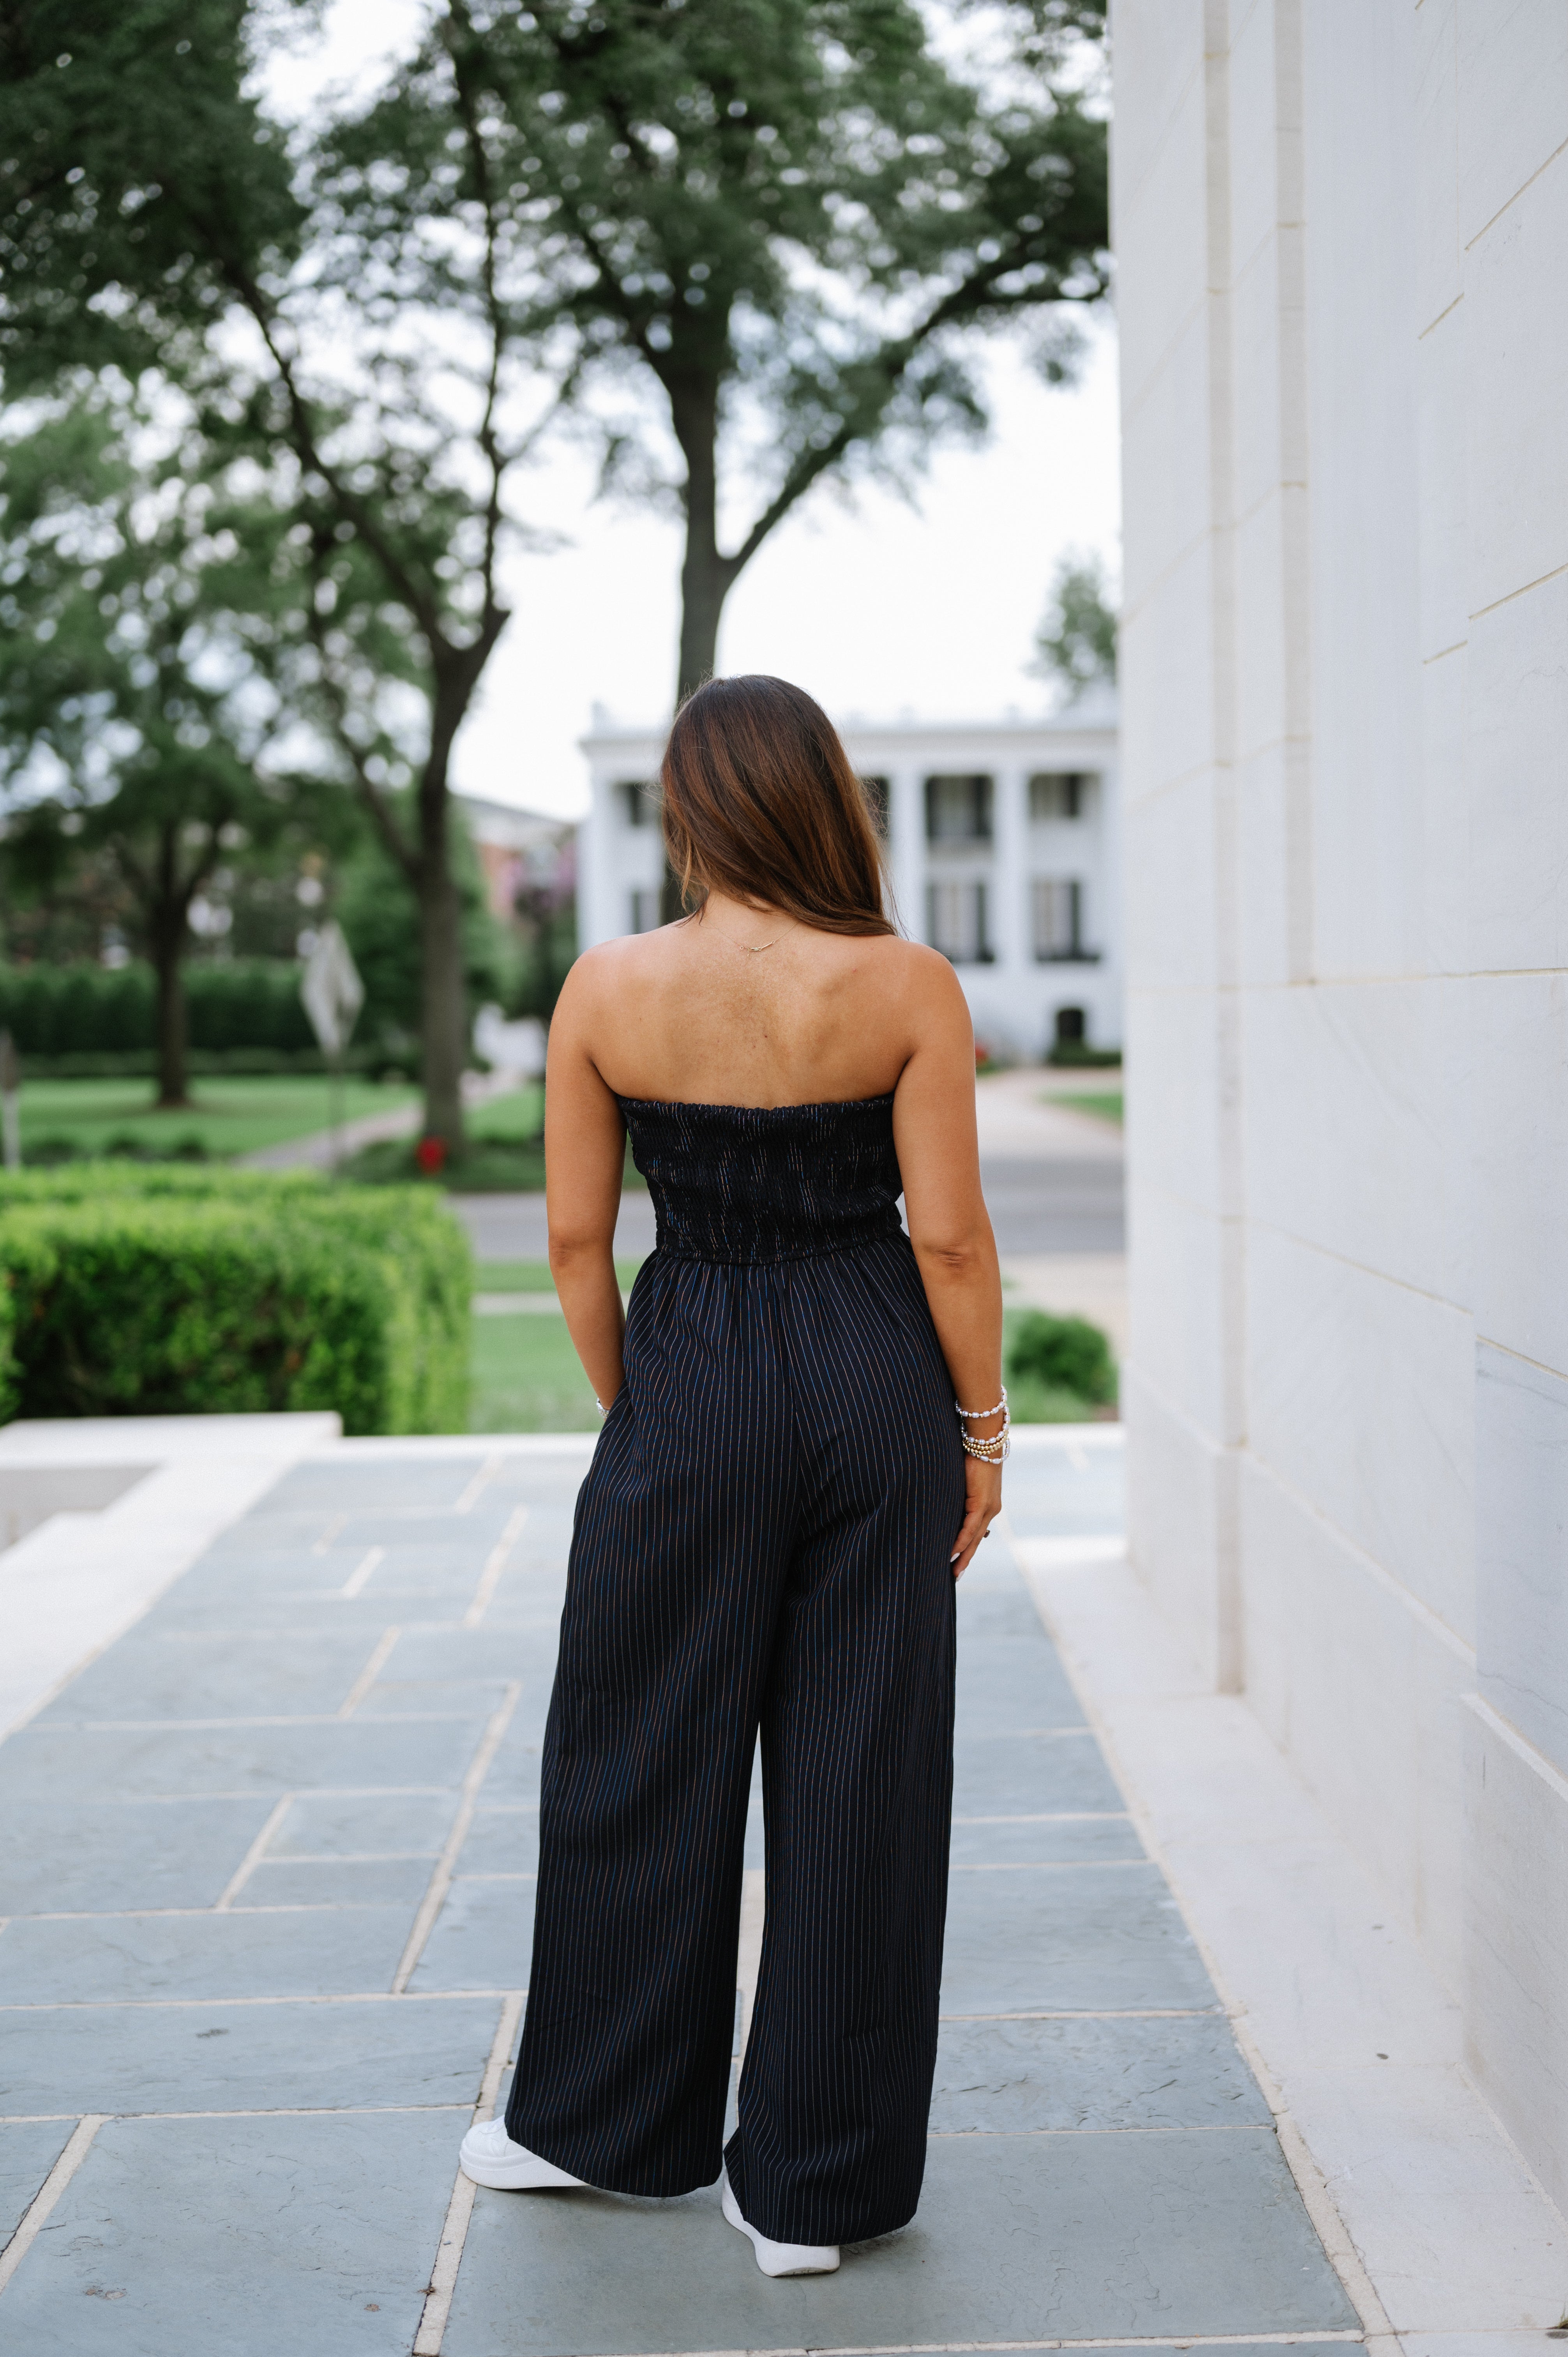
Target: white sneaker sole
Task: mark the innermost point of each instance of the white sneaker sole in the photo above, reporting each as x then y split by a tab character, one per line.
529	2176
779	2258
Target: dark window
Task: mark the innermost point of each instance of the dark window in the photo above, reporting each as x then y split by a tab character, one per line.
639	801
1058	794
955	922
1072	1026
1058	919
958	810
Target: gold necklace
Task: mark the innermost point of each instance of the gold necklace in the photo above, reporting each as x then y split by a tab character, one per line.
751	949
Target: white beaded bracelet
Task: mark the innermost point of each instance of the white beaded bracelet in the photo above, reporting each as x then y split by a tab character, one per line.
979	1415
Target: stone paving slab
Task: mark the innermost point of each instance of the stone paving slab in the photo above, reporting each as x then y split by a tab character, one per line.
399	1882
1011	1685
349	2055
245	2236
1102	1937
1008	2077
279	1757
1032	1774
308	1781
483	1937
293	1951
29	2150
108	1854
353	1825
215	1675
1017	2238
502	1840
1042	1840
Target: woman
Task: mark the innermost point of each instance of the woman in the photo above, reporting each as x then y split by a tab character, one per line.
778	1506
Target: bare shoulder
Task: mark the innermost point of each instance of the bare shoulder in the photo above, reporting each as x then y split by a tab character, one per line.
922	978
611	966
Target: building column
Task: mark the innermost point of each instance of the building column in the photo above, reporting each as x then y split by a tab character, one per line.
907	848
1009	893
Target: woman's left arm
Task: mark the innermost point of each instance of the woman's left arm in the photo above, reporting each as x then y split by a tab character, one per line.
585	1158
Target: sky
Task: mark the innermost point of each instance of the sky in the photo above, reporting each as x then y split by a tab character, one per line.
878	608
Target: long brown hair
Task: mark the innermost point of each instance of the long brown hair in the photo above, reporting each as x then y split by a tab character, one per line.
760	801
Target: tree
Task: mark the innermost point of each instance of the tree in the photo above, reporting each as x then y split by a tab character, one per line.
789	217
152	216
139	737
1076	642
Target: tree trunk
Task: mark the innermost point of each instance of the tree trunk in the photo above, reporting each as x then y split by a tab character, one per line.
443	1015
166	932
704	588
705	574
167	946
443	1029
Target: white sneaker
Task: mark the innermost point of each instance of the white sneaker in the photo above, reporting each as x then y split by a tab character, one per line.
777	2258
489	2156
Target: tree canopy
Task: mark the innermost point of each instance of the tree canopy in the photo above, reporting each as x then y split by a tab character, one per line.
787	218
1076	642
152	216
139	728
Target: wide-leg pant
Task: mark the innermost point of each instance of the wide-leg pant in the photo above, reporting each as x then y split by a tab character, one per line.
762	1542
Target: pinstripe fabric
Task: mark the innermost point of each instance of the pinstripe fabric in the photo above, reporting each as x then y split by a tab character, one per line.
761	1542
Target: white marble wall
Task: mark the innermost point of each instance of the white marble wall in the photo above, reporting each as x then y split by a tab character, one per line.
1342	231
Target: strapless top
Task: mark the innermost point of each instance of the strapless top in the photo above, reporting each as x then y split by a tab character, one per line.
753	1183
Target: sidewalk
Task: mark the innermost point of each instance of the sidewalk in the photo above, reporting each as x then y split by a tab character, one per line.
268	1866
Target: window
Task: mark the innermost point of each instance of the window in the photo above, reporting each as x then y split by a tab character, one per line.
638	801
1071	1026
1058	919
955	922
878	798
645	915
958	810
1057	795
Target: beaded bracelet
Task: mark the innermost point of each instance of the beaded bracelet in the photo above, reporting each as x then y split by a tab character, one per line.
979	1415
997	1448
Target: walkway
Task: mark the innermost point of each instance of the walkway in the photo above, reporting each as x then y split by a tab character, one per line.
267	1869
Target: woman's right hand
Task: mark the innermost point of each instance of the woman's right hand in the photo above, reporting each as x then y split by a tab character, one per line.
981	1505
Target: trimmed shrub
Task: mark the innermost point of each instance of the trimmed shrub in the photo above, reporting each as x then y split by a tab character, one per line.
169	1290
247	1004
1065	1354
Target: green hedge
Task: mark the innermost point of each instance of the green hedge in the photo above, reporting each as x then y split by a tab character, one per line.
163	1291
70	1011
1065	1354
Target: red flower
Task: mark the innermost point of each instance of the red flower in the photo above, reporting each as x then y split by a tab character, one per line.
431	1154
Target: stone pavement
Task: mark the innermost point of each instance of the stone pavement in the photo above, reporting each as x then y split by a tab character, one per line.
289	1820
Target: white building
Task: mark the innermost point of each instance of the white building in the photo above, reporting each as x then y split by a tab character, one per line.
1343	242
1003	840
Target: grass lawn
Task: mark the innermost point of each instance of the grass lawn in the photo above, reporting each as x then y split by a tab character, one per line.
526	1377
504	1154
1107	1106
225	1116
533	1275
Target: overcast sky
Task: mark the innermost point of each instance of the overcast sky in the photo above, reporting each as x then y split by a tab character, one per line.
877	609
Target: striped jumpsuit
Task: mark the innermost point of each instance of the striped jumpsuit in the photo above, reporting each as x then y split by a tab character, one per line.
762	1542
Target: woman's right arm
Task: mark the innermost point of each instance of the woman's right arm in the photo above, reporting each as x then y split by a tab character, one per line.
585	1158
939	1158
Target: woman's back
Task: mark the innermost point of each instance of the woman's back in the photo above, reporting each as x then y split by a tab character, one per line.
733	1007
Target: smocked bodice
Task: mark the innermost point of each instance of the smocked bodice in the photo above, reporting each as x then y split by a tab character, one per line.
765	1183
